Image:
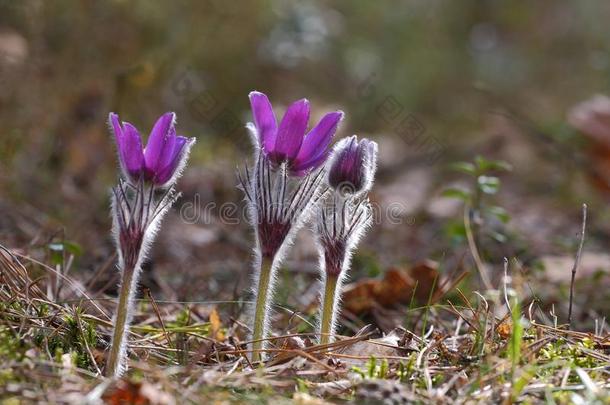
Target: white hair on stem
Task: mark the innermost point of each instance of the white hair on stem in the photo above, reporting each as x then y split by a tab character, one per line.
278	206
134	208
337	235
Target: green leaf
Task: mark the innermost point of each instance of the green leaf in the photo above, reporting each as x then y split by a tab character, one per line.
488	184
302	385
359	371
68	246
526	376
383	369
372	366
57	250
73	247
464	167
485	165
500	213
516	338
57	253
456	231
458	193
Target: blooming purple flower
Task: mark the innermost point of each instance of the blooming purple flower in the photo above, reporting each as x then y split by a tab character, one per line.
288	142
164	156
353	165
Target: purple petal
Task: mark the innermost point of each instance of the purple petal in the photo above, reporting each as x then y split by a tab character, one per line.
131	153
315	145
303	169
129	147
113	119
119	136
172	160
167	153
291	132
347	167
156	142
264	120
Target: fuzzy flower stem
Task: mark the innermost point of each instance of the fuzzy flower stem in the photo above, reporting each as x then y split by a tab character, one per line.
117	348
140	200
136	215
350	177
327	321
261	313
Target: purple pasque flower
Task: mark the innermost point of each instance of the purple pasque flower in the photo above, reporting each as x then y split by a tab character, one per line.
164	156
137	211
353	165
340	224
288	142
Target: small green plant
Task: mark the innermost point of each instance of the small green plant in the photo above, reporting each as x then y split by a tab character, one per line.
78	337
58	251
481	216
484	182
373	369
61	254
302	386
516	337
9	346
573	353
405	370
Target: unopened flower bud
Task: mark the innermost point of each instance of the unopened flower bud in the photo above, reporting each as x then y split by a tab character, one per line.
353	165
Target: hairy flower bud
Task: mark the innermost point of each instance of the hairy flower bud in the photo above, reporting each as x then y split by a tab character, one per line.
340	224
353	165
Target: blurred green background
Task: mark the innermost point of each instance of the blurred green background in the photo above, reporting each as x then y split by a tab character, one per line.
432	81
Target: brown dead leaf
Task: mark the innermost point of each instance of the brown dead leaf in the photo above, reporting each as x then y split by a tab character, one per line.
504	329
397	286
215	326
292	343
426	276
359	297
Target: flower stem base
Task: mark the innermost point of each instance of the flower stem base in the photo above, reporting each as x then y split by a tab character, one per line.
327	318
261	312
118	350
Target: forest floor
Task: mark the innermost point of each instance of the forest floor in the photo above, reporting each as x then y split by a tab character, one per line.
490	347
